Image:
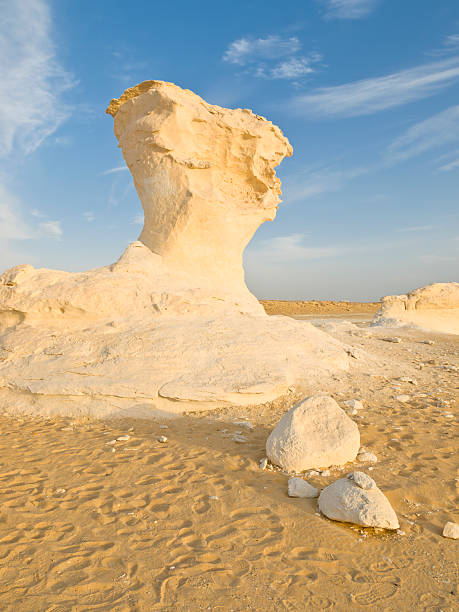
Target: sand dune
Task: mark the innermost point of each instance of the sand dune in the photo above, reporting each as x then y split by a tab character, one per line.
194	524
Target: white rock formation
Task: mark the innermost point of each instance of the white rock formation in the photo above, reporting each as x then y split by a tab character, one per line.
171	326
451	530
316	433
297	487
356	499
434	307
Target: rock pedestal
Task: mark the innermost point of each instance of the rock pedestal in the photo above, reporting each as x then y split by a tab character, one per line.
171	326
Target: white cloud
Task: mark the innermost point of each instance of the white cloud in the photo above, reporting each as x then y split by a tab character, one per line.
416	228
138	219
51	228
290	248
114	170
438	130
247	50
454	165
376	94
261	56
32	79
349	9
313	182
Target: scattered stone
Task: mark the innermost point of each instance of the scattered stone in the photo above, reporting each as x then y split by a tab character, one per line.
240	439
354	404
214	497
367	457
263	463
394	339
312	473
60	491
123	438
162	439
403	398
408	380
111	442
297	487
451	530
163	427
428	342
400	532
356	499
325	473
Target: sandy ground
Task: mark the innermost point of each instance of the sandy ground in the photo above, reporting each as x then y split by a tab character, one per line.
90	523
317	307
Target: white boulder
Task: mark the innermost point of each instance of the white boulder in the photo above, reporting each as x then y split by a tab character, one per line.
433	307
451	530
316	433
297	487
356	499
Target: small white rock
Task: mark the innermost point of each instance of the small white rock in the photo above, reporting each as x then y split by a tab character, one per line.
263	463
325	473
362	480
214	497
162	439
408	380
123	438
239	439
354	404
163	427
394	339
60	491
367	457
403	398
451	530
297	487
428	342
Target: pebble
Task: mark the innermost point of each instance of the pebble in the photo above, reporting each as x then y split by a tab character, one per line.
403	398
297	487
428	342
162	439
239	439
451	530
394	339
312	473
354	404
408	380
367	457
59	491
111	442
163	427
123	438
214	497
325	473
263	463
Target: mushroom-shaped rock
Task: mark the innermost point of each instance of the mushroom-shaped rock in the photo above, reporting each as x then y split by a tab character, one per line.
356	499
315	433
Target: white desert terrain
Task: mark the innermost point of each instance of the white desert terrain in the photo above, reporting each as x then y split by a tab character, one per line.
153	413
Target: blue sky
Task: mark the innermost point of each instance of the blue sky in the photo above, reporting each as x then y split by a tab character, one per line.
367	91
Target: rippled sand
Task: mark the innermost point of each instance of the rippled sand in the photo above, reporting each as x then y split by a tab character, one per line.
193	524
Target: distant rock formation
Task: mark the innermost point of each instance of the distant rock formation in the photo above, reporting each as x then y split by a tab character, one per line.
171	326
433	307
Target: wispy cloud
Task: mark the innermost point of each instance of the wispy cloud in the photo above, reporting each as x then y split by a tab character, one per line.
289	248
436	131
312	182
51	228
114	170
138	219
32	80
271	57
89	216
369	96
416	228
348	9
454	165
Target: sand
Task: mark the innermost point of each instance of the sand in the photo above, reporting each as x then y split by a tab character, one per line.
194	524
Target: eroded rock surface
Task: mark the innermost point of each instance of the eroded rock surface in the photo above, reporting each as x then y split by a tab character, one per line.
434	307
171	326
316	433
356	499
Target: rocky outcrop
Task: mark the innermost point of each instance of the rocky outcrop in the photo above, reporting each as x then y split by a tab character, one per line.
316	433
433	308
356	499
171	326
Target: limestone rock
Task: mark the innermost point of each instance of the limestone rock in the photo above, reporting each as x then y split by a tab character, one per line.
315	433
451	530
171	326
433	307
297	487
367	457
356	499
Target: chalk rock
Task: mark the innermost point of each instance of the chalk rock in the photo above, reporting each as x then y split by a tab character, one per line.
433	307
451	530
354	404
313	434
367	457
356	499
297	487
171	326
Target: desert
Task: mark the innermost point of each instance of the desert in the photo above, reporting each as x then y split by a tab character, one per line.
229	306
